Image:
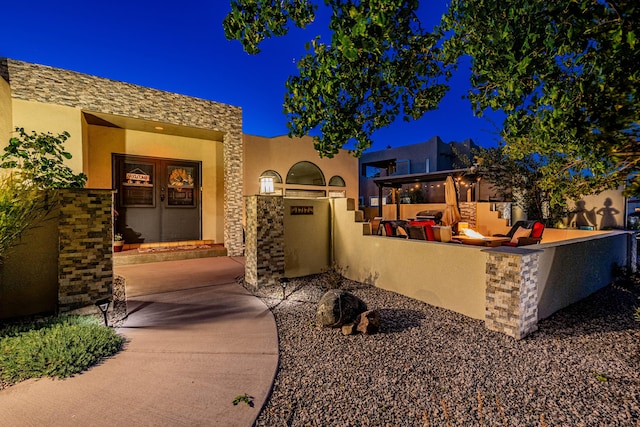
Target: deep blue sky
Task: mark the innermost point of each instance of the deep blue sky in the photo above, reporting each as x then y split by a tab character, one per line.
180	47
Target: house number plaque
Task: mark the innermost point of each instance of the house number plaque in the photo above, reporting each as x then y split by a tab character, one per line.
301	210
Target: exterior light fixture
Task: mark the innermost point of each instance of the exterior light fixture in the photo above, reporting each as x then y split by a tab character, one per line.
266	185
283	282
103	305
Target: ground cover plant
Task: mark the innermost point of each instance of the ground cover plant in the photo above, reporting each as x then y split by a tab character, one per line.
56	347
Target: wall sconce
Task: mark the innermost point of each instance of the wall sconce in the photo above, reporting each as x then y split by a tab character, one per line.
266	185
103	305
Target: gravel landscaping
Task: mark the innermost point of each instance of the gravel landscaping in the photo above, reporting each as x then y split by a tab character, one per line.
430	367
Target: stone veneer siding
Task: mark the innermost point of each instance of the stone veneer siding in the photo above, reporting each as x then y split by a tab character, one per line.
85	267
264	253
468	213
512	292
33	82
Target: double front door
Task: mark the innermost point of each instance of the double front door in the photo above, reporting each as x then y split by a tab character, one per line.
157	200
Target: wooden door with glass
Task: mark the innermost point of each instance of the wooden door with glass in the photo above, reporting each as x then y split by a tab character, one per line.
157	200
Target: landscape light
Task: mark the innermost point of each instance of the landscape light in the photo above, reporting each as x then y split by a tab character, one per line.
283	283
103	305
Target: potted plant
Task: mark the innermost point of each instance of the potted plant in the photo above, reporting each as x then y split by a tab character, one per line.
118	242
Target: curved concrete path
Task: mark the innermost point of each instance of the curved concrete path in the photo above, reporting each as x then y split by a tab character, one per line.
196	340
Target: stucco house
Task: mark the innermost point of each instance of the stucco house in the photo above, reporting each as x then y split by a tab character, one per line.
178	164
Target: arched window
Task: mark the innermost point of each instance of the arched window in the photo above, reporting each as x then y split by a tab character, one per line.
337	181
305	173
277	179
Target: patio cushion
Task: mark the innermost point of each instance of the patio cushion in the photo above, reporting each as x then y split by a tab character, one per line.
388	230
537	230
520	232
430	233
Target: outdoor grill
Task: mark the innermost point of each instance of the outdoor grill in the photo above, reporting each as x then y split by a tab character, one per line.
429	215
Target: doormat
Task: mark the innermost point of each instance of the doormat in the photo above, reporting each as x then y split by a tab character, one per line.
173	248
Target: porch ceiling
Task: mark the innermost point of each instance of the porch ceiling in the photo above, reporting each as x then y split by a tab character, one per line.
121	122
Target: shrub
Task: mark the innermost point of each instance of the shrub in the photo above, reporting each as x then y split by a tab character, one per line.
58	347
27	193
21	206
39	159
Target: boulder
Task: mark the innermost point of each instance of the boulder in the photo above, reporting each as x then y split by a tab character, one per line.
338	307
369	322
349	329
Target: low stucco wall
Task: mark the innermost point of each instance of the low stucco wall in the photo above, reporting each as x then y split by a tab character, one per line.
29	276
64	263
574	269
441	274
307	237
455	276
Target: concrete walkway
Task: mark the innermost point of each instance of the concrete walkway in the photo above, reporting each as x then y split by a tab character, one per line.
196	340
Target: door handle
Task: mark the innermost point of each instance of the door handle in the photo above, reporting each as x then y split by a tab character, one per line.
162	194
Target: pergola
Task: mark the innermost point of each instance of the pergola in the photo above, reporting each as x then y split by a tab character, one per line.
396	181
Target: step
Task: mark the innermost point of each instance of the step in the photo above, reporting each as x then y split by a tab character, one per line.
173	251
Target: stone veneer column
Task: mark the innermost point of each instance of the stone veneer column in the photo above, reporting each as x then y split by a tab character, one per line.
264	240
512	292
85	260
468	213
233	191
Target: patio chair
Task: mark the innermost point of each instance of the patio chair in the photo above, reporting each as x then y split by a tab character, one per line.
427	229
518	224
522	238
395	228
416	232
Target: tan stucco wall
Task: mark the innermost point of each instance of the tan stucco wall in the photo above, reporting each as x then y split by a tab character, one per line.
488	221
41	117
573	269
29	277
574	264
6	123
281	152
103	141
605	210
307	238
441	274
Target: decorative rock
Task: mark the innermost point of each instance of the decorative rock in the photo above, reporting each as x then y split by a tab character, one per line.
349	329
369	322
338	307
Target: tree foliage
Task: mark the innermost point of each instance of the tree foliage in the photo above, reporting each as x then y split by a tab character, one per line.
566	75
39	160
379	65
519	181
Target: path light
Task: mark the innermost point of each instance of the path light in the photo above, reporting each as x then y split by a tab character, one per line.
283	283
103	305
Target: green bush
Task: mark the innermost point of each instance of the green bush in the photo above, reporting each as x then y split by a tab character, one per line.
57	347
35	168
21	206
39	158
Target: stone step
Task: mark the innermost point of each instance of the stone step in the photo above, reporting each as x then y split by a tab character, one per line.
158	253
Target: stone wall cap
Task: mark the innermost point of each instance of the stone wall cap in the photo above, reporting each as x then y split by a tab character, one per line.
511	250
